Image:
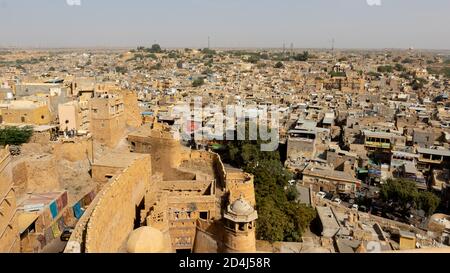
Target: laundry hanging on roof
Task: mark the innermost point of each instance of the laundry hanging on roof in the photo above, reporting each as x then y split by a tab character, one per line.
77	211
54	209
55	230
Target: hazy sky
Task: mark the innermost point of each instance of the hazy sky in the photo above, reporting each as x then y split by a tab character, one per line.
229	23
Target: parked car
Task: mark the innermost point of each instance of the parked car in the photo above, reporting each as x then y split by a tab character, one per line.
65	235
337	201
355	207
321	194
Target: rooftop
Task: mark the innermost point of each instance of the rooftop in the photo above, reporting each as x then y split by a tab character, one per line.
117	160
443	151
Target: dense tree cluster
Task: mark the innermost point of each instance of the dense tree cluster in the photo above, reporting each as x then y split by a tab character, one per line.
404	194
302	57
11	135
156	48
385	69
281	218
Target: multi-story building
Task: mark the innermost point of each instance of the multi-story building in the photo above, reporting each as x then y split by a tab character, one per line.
74	115
107	119
326	179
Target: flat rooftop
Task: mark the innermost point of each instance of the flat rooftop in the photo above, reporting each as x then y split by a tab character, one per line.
117	160
444	152
378	134
330	226
329	173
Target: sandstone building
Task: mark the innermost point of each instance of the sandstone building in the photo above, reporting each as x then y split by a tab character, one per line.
177	199
107	119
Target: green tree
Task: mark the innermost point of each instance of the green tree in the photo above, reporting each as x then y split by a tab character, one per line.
302	57
198	82
157	66
406	195
156	48
401	191
253	59
11	135
407	61
385	69
121	69
280	218
151	56
279	65
172	55
429	202
208	51
399	67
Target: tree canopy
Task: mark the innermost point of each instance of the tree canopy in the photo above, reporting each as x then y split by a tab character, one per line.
280	217
404	193
279	65
11	135
198	82
302	57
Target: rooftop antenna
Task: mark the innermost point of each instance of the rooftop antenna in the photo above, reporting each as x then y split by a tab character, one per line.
292	49
284	48
208	42
332	47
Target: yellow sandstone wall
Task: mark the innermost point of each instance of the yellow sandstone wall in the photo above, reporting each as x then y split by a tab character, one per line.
36	173
9	230
242	242
80	150
37	116
113	217
132	111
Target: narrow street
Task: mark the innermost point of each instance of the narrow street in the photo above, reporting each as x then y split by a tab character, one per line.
56	246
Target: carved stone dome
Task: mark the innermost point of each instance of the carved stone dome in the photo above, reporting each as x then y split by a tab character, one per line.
145	240
241	207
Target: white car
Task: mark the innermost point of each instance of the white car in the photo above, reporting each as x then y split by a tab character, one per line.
337	201
355	207
321	194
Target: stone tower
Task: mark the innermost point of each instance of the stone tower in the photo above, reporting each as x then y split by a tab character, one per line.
240	219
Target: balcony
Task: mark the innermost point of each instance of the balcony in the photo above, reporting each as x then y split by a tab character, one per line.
380	145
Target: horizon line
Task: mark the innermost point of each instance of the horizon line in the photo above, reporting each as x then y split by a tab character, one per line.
220	48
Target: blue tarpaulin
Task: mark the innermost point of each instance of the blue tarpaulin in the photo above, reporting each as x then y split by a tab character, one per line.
77	211
54	209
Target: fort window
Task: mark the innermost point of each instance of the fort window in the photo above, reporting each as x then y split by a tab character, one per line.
204	215
22	119
42	117
67	122
241	226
